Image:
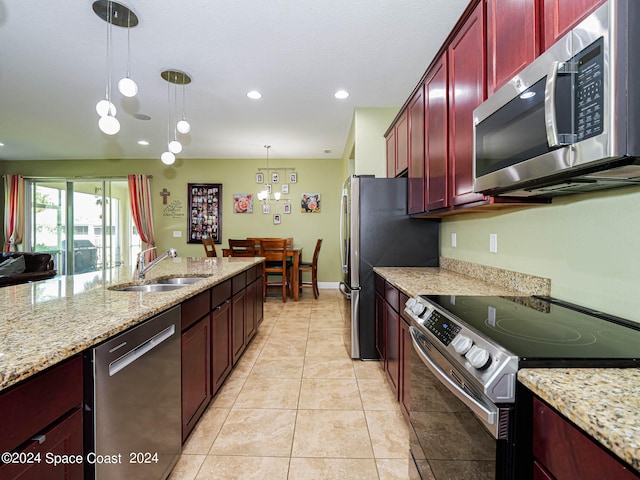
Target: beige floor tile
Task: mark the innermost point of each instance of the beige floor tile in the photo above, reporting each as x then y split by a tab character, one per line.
278	347
328	367
389	433
278	367
393	468
377	395
256	432
245	468
370	369
229	391
333	469
331	433
329	348
259	392
205	432
330	393
187	467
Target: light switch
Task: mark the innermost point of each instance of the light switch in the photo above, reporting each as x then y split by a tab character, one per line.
493	242
453	240
177	234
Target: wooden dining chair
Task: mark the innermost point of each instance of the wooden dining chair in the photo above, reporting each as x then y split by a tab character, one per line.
209	247
242	248
313	268
274	250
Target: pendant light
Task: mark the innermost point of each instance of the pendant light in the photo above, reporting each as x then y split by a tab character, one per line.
127	86
174	145
183	126
168	157
175	77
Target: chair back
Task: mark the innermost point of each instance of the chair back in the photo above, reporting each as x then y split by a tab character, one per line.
209	247
242	248
316	252
258	242
274	251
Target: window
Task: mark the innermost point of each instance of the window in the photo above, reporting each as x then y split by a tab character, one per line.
93	211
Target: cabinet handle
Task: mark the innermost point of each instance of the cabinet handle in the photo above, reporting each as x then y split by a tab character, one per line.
39	438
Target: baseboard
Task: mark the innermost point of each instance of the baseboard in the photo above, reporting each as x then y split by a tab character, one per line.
329	285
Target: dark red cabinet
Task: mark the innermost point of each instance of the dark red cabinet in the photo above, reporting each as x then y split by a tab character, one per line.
391	153
436	137
398	147
415	113
562	15
221	359
512	39
466	63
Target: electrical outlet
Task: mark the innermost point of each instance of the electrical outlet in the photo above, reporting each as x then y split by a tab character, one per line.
493	242
454	243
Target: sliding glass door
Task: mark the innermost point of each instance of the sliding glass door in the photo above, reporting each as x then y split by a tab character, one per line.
85	224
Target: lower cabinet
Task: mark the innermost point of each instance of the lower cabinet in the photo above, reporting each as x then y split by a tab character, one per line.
221	361
562	451
405	360
53	425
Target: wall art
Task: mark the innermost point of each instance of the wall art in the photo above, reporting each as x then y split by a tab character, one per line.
205	212
276	219
286	208
293	177
310	203
243	203
285	188
259	178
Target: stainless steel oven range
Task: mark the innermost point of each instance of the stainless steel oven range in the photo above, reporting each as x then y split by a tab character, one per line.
468	416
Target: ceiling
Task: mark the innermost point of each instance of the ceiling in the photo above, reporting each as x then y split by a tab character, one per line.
53	70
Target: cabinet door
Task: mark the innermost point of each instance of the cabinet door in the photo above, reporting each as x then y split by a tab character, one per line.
416	152
512	39
380	333
250	319
237	324
196	373
391	153
402	144
436	137
63	438
392	363
259	305
466	92
561	15
221	359
405	367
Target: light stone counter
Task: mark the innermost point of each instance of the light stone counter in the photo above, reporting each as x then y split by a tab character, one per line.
604	402
45	322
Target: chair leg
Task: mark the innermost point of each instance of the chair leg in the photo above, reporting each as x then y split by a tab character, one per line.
314	283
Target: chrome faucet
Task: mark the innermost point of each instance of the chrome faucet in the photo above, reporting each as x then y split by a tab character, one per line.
142	268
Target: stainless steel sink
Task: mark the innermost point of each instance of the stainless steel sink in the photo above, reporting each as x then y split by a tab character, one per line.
179	280
152	287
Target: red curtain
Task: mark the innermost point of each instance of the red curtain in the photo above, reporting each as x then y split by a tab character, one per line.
13	212
140	196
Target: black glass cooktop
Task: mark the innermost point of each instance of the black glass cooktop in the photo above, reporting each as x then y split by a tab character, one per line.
547	332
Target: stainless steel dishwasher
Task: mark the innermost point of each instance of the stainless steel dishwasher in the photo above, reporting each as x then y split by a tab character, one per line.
133	402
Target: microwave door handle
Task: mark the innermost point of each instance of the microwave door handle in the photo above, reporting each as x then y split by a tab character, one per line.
550	116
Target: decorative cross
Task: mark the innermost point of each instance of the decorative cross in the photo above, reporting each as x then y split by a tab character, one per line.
165	193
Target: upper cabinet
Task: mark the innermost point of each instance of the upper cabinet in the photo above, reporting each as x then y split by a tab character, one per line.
512	39
466	91
398	147
416	152
436	137
561	15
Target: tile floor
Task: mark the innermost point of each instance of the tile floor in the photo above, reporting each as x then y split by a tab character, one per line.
297	407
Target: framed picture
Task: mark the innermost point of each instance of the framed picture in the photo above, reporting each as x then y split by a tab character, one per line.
310	203
266	208
285	188
286	208
259	178
267	187
243	203
275	177
293	177
276	219
205	212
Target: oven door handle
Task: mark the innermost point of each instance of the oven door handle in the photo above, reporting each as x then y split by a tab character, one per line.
487	414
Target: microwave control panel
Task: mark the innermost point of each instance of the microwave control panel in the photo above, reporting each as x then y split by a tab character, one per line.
589	91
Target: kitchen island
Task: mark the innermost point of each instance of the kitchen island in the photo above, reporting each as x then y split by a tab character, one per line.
45	323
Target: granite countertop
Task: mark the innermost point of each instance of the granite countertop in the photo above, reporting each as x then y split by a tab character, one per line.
44	323
604	402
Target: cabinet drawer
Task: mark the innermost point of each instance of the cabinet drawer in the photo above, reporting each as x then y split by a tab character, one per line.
566	452
392	296
252	274
403	302
33	405
379	284
194	309
238	282
220	293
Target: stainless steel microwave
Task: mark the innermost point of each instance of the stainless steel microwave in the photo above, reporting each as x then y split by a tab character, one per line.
570	121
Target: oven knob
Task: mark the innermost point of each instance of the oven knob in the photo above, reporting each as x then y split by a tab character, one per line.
418	308
462	344
410	303
478	357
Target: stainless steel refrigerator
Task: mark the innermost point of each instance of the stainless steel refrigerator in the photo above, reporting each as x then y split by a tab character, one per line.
376	231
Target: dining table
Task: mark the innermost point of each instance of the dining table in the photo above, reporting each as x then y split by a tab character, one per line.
294	251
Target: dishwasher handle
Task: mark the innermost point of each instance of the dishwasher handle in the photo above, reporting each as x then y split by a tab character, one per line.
139	351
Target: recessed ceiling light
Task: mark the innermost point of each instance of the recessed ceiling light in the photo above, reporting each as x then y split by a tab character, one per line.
341	94
143	142
1	144
254	95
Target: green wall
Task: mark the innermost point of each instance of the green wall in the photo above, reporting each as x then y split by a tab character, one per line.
322	176
588	245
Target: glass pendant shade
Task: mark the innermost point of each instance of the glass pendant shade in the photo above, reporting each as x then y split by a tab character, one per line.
128	87
168	158
276	195
105	107
183	126
175	146
109	124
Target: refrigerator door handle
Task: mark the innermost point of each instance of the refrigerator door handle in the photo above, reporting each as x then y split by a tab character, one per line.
343	214
345	290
